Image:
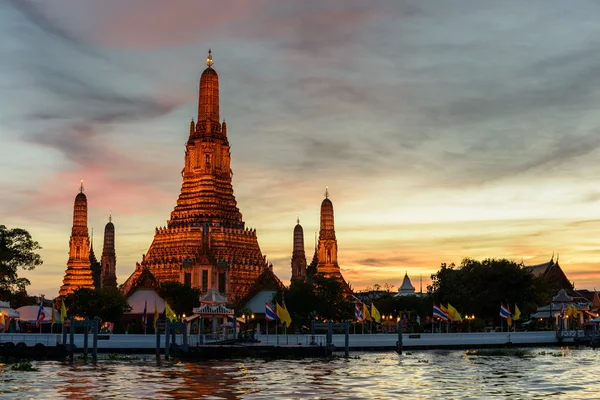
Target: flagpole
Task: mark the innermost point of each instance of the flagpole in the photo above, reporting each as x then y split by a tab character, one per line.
267	329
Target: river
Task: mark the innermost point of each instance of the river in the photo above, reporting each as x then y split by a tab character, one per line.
516	374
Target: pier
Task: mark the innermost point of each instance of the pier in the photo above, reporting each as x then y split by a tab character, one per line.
289	345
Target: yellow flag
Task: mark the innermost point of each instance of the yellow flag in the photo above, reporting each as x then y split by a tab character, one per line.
63	312
283	314
155	314
375	314
53	318
366	313
453	313
169	314
444	309
517	313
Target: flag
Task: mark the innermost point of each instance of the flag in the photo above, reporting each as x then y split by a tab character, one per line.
283	315
155	314
144	315
270	314
439	313
169	314
53	318
41	315
366	313
504	312
444	310
358	312
375	314
63	312
517	313
509	319
453	314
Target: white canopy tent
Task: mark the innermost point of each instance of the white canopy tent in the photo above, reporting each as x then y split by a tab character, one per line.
30	314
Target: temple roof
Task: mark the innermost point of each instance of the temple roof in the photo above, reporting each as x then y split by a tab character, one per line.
267	280
212	296
406	284
562	297
142	279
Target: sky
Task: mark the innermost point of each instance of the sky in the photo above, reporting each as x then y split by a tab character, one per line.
444	130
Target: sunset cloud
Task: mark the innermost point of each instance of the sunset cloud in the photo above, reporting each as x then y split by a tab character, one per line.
444	130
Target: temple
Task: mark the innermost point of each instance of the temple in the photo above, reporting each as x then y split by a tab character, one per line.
298	255
552	274
406	289
78	273
327	250
325	260
109	257
205	243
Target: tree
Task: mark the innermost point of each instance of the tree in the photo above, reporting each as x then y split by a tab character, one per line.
107	304
17	251
479	287
320	298
181	298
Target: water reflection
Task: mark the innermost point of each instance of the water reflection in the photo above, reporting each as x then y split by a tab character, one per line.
566	373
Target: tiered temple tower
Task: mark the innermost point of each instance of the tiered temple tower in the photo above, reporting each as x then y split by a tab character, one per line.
78	273
328	264
298	255
109	257
205	243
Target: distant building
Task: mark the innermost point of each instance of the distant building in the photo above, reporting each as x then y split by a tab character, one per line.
552	273
407	289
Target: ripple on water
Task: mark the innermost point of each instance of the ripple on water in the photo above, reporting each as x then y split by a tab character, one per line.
569	374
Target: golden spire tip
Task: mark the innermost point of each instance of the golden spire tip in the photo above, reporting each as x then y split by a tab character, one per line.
209	60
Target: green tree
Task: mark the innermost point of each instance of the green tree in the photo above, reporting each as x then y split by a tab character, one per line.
17	251
478	287
107	304
181	298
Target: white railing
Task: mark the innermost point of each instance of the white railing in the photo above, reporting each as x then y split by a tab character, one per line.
31	339
293	340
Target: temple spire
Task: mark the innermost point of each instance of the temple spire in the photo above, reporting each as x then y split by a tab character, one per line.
298	219
326	192
81	186
110	216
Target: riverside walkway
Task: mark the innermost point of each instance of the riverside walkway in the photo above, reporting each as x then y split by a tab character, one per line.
147	343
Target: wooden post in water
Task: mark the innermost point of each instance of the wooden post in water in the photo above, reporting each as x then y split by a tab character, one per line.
347	341
72	338
95	339
85	338
64	334
399	342
157	342
167	339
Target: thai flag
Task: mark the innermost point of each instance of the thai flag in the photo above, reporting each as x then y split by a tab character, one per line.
41	315
270	314
358	312
438	313
504	311
144	316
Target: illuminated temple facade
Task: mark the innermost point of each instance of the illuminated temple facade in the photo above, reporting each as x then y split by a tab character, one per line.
79	271
205	243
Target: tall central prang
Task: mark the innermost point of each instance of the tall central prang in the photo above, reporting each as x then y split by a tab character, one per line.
205	243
